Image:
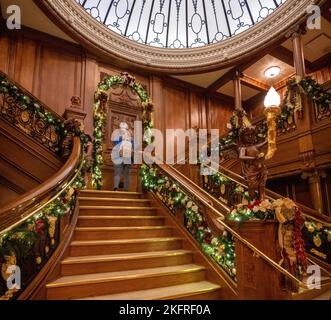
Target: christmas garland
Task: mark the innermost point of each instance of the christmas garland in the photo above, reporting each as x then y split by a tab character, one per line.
292	100
20	242
255	210
220	249
317	240
100	113
33	106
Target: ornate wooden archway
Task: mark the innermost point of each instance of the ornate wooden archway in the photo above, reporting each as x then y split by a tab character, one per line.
101	99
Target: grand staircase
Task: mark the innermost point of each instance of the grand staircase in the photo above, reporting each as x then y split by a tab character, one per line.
122	249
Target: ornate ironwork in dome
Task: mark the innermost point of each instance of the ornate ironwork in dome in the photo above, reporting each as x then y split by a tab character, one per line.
179	23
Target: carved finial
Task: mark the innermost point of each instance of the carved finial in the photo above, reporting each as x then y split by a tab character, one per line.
75	102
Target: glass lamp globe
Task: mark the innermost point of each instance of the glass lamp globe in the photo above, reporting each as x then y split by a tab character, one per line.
272	99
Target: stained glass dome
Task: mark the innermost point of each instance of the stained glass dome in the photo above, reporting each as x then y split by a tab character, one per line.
179	24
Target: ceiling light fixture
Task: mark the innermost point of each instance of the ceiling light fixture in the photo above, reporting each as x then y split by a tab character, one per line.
272	72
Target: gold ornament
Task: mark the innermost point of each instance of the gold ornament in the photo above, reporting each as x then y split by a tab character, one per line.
290	120
222	188
38	260
317	240
51	229
54	136
10	261
46	249
311	227
25	116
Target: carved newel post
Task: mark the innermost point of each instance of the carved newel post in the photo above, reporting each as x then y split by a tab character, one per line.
256	279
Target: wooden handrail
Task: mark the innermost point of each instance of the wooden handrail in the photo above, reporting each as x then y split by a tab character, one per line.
12	212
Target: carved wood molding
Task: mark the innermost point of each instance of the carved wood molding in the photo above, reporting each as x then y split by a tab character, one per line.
72	18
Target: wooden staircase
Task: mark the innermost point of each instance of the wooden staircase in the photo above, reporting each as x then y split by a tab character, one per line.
123	250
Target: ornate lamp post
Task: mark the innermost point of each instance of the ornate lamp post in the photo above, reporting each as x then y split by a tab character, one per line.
271	103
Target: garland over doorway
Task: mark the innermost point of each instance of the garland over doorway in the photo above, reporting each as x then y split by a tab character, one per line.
100	110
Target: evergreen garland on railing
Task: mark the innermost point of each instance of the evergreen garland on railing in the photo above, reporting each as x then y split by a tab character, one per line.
19	243
100	114
221	249
33	106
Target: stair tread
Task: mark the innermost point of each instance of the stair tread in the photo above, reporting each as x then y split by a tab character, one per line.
119	275
119	256
117	207
110	192
161	293
114	199
122	228
119	217
139	240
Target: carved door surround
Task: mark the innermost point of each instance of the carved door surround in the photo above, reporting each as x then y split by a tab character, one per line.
124	106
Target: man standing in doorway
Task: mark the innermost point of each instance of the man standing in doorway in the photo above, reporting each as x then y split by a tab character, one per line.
122	155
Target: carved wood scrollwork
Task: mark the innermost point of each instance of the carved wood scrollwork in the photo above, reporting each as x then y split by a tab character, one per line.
322	111
29	122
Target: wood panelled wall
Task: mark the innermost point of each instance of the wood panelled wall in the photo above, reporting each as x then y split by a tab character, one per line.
55	70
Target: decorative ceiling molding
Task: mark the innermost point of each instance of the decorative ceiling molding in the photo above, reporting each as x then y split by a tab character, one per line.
94	35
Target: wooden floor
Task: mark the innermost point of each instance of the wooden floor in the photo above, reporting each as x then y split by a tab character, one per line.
123	250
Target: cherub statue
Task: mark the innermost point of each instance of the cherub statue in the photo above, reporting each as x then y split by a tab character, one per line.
253	166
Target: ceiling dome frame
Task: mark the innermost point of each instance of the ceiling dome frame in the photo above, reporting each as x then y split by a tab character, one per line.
99	39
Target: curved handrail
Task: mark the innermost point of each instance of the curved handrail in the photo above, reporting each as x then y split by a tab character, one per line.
219	222
13	213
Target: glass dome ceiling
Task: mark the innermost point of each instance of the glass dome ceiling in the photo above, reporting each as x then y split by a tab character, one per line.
179	23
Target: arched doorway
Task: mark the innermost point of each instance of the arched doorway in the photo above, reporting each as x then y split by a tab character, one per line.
117	99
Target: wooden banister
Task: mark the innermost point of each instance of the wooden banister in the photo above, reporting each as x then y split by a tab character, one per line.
11	214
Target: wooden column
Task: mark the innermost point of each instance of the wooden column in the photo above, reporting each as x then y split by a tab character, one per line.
315	187
237	90
298	54
257	279
156	95
304	123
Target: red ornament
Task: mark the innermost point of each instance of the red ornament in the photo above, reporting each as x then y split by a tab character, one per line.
40	227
